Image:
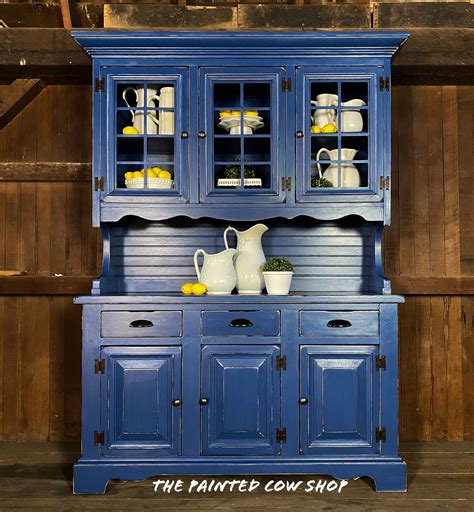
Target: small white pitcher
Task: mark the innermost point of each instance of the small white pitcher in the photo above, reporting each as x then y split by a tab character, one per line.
324	116
351	120
350	177
218	272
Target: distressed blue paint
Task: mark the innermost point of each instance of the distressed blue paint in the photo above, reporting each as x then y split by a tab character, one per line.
160	346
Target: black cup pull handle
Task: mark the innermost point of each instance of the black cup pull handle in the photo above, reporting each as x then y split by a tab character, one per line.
240	322
141	324
339	323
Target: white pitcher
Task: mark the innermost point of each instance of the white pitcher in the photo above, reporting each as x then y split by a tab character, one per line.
324	116
218	272
138	117
165	117
250	258
350	177
351	120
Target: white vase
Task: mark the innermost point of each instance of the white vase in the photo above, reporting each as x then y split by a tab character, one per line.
278	283
249	259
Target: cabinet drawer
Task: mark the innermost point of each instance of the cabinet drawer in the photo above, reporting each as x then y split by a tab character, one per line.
141	324
339	323
240	323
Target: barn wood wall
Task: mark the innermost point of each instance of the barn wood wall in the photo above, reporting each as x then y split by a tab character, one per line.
45	229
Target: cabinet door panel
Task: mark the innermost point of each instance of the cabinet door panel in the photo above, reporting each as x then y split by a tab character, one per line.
341	385
242	386
140	384
146	112
351	157
242	122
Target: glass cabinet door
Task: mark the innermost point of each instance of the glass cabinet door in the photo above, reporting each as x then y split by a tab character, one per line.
241	119
339	136
147	124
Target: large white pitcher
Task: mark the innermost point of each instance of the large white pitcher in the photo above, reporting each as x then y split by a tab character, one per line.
250	258
138	117
218	272
324	116
350	177
165	117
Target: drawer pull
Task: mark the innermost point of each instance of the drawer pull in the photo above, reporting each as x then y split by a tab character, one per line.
203	401
338	324
177	402
303	401
141	324
240	322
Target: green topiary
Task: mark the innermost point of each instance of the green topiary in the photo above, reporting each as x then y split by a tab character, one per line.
232	172
277	265
317	182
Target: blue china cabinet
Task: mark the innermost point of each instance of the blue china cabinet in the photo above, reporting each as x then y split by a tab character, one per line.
196	131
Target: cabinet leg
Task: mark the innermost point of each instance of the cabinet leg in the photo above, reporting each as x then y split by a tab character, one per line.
390	479
89	480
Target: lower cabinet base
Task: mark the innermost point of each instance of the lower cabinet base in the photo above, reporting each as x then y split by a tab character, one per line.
92	477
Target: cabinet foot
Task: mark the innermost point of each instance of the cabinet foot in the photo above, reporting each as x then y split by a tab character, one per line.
89	479
393	479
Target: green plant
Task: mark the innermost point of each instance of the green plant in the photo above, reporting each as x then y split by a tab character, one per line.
277	265
317	182
232	172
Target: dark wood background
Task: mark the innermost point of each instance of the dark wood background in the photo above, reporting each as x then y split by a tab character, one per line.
45	229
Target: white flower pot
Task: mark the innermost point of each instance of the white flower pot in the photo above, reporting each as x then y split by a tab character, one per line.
278	283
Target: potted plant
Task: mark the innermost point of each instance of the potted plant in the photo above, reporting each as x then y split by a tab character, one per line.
277	273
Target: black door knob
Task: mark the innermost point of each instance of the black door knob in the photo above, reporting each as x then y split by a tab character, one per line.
299	134
177	402
303	401
203	401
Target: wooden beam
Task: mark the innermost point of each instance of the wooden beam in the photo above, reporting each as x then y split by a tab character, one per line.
45	171
16	96
406	285
45	285
66	13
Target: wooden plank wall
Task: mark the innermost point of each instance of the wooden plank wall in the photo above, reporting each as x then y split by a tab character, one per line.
45	229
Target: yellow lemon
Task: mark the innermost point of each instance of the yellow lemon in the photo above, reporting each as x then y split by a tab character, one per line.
164	175
156	170
128	175
150	173
250	112
199	289
130	130
235	112
137	174
315	129
329	128
187	288
225	113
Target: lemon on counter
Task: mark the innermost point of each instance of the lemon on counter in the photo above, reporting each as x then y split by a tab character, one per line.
165	175
315	129
329	128
137	174
199	288
130	130
187	288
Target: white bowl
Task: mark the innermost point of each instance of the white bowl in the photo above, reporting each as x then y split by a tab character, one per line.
151	183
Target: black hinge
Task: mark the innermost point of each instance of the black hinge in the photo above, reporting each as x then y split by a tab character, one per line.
380	435
286	85
285	184
281	435
384	84
380	363
98	438
99	85
281	363
99	184
384	182
99	366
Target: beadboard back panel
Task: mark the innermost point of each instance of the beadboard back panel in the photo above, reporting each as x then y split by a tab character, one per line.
328	257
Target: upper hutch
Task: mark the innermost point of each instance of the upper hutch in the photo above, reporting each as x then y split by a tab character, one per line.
231	128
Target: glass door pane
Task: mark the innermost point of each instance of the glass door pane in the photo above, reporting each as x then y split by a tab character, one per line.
243	120
338	154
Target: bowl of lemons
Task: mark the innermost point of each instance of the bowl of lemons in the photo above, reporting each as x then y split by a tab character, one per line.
156	178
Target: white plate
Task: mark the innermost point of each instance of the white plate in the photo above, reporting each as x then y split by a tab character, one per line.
252	122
